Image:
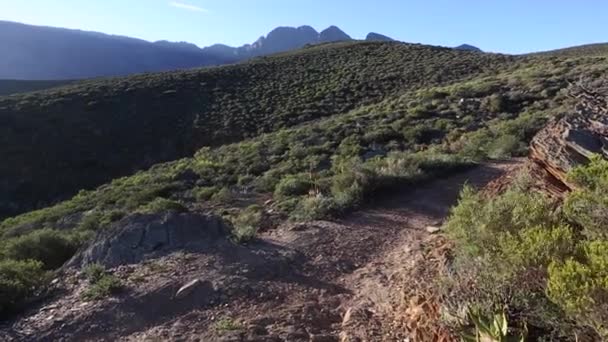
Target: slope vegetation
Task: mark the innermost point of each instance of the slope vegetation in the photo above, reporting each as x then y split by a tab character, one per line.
59	141
9	87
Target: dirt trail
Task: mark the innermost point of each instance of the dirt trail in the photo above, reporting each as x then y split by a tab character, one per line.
320	281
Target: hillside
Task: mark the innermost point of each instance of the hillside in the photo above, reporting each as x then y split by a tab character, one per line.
600	49
82	135
8	87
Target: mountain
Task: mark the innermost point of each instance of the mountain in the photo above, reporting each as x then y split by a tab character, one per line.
46	53
333	34
467	47
377	37
280	39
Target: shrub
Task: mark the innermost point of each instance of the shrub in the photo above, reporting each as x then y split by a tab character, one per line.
94	272
205	193
51	247
293	185
313	208
247	223
101	283
581	286
223	196
160	205
588	206
505	146
475	222
18	282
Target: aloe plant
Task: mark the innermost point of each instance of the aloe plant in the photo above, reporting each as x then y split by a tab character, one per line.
491	329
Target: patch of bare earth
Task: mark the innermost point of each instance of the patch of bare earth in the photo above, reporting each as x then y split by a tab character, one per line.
361	278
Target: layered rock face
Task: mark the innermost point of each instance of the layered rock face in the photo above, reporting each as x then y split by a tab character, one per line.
571	140
564	143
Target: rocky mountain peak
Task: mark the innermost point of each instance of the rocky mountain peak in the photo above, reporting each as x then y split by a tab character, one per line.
333	34
377	37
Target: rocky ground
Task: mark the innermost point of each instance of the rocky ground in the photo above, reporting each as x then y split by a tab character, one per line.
354	279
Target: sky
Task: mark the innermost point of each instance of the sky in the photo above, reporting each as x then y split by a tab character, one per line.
508	26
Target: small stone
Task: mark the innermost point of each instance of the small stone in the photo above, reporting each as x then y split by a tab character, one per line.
433	229
187	289
347	317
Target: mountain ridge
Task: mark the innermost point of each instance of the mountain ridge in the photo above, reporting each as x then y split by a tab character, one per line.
77	54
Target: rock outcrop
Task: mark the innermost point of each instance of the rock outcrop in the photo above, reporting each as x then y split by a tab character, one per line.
571	140
141	236
566	142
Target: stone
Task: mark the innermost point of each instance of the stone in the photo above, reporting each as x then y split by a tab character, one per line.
187	289
433	229
142	236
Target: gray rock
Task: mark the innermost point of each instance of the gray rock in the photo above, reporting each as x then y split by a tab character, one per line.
141	236
187	289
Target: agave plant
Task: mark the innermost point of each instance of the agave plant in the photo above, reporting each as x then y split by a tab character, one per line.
491	329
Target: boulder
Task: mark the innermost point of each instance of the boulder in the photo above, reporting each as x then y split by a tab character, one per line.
142	236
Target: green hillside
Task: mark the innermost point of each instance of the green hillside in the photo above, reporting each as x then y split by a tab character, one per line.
599	49
58	141
9	87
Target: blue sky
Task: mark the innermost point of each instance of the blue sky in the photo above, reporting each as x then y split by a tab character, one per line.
511	26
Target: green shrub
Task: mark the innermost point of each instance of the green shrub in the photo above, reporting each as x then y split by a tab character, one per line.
51	247
223	196
505	146
475	222
205	193
160	205
18	281
293	185
101	283
247	223
581	286
588	206
94	272
313	208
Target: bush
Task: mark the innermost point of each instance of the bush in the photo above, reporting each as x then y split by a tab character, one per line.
247	223
223	196
588	206
581	286
101	283
160	205
94	272
205	193
293	185
313	208
475	222
18	282
51	247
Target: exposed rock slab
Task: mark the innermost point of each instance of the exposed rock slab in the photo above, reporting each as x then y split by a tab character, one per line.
141	236
569	142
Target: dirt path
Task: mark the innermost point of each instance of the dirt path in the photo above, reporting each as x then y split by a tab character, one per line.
346	280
